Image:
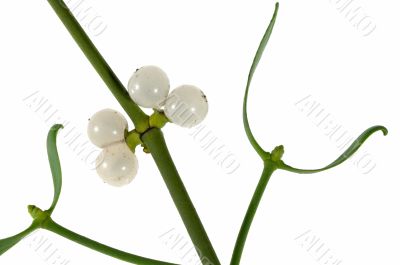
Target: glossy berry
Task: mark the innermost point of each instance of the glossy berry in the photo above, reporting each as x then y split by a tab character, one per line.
117	165
186	106
106	127
149	87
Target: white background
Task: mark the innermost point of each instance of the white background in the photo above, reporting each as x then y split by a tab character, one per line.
315	51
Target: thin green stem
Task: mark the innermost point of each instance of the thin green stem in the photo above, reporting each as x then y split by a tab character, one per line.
269	159
260	151
155	142
138	117
7	243
269	168
118	254
349	152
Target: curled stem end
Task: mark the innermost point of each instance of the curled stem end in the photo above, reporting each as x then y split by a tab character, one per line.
351	150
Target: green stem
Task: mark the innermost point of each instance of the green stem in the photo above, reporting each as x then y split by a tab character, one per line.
118	254
138	117
154	140
260	151
269	168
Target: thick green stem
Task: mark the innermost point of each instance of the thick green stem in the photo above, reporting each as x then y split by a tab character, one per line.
269	168
118	254
139	118
154	140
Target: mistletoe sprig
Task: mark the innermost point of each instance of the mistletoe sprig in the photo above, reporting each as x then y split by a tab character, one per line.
273	160
117	165
42	219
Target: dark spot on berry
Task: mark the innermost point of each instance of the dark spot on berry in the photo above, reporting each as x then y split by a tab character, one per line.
204	96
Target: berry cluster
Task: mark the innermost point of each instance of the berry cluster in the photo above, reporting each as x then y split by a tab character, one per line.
185	106
117	165
148	87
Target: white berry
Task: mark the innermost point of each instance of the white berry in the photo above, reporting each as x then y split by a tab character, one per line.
149	87
186	106
106	127
117	165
